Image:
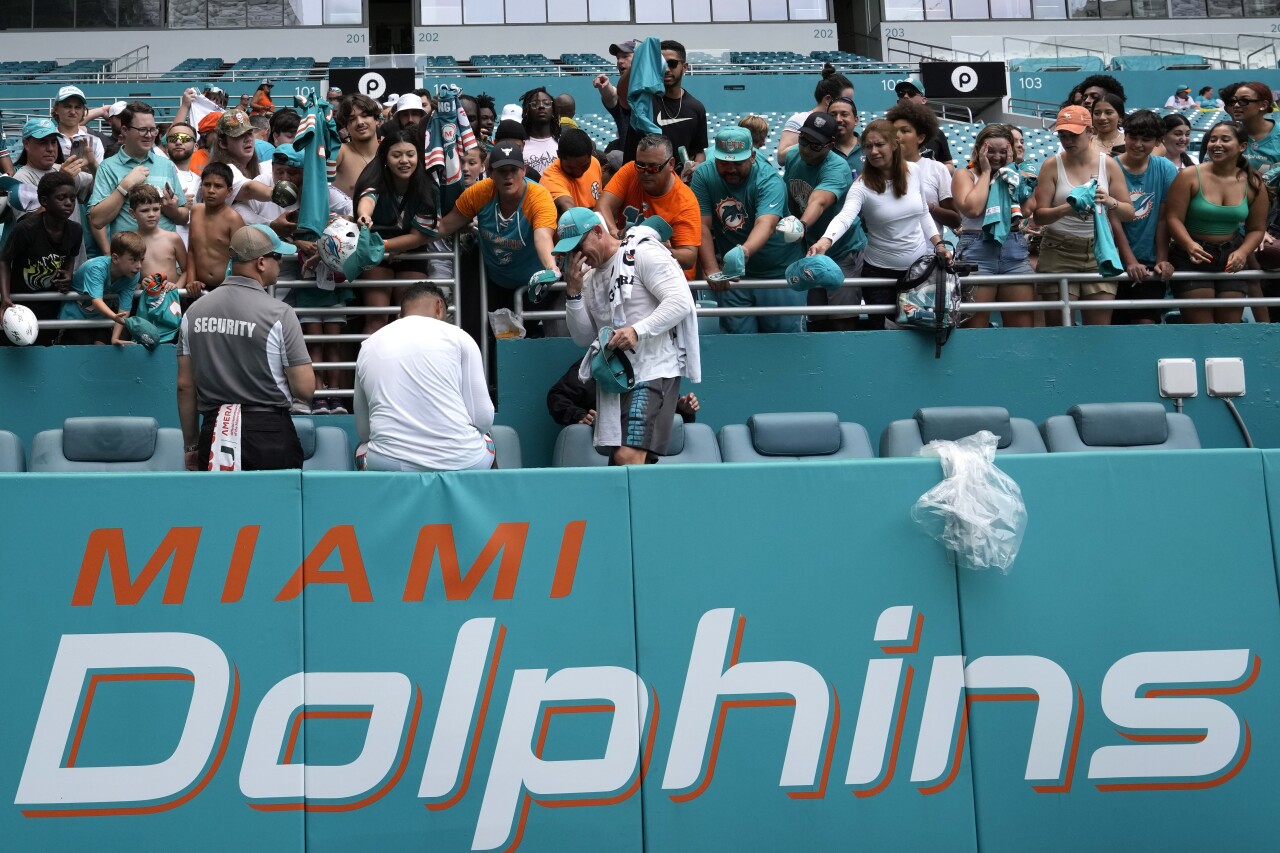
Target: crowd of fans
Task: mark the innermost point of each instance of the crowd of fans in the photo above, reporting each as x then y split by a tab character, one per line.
101	213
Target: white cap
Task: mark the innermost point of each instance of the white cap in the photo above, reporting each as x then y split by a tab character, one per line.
70	92
391	101
116	108
513	112
410	102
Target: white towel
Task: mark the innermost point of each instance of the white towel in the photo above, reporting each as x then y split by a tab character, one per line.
224	452
608	423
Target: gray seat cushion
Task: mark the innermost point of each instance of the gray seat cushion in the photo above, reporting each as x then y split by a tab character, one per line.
108	444
792	436
13	459
1119	426
324	448
952	423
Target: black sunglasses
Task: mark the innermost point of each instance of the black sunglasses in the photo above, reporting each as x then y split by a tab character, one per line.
673	64
1244	102
275	256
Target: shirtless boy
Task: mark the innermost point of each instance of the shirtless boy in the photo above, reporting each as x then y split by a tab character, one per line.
212	224
359	117
166	254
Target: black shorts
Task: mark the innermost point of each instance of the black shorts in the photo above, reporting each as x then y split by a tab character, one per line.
1220	252
268	441
647	411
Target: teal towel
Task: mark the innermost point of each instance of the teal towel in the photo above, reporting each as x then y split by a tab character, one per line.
647	69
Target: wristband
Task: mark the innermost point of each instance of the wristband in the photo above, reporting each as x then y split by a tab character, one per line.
577	298
192	448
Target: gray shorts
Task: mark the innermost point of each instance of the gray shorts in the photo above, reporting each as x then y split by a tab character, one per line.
647	411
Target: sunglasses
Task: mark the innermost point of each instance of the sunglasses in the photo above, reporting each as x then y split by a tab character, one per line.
673	64
180	137
1244	102
813	146
651	168
275	256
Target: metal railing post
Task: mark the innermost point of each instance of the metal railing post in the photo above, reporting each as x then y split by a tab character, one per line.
1064	293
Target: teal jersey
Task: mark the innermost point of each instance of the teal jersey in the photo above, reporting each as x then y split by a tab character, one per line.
91	280
733	211
1263	153
164	311
510	255
161	174
1147	192
831	175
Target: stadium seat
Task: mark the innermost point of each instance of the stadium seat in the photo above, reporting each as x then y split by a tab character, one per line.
1119	426
324	448
12	457
951	423
794	436
690	444
506	444
108	444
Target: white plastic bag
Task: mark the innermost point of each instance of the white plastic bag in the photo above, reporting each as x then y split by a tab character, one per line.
506	324
977	510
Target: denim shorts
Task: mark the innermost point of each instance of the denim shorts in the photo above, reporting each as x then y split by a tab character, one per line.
991	257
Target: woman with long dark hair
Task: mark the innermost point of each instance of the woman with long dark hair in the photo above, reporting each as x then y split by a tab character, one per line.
1177	136
888	199
397	199
1206	208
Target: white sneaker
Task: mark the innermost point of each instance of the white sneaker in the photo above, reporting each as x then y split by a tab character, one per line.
336	407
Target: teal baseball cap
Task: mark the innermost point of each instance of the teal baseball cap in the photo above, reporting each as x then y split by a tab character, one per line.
815	271
287	155
611	368
575	223
733	144
657	223
39	128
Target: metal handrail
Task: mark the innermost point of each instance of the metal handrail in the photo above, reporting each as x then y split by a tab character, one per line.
935	52
1057	48
1225	57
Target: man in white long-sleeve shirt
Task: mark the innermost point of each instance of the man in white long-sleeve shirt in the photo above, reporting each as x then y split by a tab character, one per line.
636	287
421	400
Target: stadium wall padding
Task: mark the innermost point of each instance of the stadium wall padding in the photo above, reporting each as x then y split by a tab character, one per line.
572	660
871	378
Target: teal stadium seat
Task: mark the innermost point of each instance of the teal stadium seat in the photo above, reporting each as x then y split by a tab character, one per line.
1119	426
324	448
794	437
506	444
691	444
952	423
12	457
110	444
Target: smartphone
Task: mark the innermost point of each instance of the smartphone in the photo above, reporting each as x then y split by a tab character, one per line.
78	146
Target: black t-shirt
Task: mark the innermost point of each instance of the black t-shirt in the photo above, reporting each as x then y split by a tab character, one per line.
936	148
683	120
35	257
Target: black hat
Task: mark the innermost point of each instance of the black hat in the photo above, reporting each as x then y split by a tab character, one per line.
819	128
510	129
506	153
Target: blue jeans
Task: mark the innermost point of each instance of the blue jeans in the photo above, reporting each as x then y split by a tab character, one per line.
993	258
742	298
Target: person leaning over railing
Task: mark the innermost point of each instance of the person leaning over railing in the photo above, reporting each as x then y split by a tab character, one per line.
833	85
40	251
1207	206
887	198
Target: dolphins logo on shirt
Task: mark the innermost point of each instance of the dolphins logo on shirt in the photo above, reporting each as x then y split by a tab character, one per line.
732	214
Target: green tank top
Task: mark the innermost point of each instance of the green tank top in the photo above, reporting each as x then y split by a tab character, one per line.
1215	220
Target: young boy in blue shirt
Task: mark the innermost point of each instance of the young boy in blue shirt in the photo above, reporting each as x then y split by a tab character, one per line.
98	278
1148	179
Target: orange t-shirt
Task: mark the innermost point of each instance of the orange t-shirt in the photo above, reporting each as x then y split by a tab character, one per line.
679	207
583	192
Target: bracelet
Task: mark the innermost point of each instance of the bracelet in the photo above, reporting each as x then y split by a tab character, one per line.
577	298
192	448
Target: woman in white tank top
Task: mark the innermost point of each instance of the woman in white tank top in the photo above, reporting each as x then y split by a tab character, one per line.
1067	244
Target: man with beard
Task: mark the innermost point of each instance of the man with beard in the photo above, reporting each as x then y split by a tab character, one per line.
741	200
681	116
180	145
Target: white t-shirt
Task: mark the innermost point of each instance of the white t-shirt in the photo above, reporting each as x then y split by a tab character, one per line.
796	121
421	395
898	228
95	144
190	187
935	180
540	153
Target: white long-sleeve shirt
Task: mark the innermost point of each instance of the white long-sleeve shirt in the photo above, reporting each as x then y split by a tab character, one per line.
899	229
421	395
654	297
